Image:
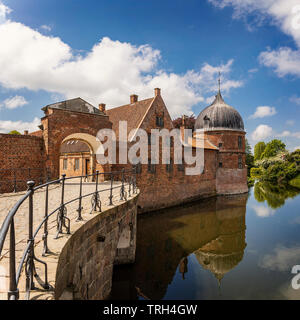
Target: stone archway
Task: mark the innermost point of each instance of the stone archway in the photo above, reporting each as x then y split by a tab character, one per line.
60	125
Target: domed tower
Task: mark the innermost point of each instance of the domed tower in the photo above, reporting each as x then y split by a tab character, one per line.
223	126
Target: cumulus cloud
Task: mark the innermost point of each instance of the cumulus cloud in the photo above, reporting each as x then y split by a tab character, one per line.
262	211
281	259
7	125
14	102
263	111
262	132
4	11
46	27
282	13
109	72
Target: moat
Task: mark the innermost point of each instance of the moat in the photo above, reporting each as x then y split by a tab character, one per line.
239	247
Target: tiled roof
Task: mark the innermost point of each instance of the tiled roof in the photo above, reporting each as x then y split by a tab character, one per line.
132	113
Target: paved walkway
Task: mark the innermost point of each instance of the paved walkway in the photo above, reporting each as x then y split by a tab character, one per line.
7	201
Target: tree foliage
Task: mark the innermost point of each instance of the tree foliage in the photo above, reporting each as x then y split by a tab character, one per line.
258	150
14	132
272	149
189	122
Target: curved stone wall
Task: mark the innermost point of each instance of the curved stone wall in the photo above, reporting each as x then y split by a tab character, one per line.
85	264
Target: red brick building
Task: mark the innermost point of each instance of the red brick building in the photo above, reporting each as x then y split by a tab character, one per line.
67	144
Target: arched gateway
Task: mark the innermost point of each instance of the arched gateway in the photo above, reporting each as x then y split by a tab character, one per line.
72	120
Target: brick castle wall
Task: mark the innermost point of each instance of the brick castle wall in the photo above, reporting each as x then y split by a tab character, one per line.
18	153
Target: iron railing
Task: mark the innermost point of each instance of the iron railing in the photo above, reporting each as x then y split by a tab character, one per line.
128	179
15	179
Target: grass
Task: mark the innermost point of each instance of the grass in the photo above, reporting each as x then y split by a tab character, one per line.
295	182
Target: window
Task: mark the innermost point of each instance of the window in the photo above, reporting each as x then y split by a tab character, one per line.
65	164
151	167
240	162
220	145
220	164
240	142
169	167
76	164
159	121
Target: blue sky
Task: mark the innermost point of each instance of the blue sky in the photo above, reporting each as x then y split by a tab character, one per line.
104	51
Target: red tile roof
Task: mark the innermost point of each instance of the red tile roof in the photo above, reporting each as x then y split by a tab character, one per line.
132	113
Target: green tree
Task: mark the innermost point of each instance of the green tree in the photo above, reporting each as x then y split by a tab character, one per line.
272	148
14	132
249	157
258	150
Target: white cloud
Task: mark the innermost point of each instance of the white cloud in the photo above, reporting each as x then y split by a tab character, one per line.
284	61
297	148
14	102
263	111
262	132
254	70
282	13
7	125
282	259
4	11
262	211
109	72
295	99
46	27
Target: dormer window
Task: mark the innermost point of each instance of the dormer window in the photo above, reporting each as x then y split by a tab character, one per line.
206	121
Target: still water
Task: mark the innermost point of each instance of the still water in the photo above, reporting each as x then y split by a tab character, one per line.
238	247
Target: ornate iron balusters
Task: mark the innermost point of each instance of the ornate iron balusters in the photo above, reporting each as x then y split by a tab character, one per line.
13	293
30	270
45	235
96	203
79	217
111	189
62	212
123	193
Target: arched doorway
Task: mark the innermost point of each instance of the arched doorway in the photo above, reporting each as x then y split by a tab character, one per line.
78	156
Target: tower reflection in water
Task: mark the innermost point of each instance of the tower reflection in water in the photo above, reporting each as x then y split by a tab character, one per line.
213	230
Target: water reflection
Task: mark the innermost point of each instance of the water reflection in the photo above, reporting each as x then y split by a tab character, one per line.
213	230
275	195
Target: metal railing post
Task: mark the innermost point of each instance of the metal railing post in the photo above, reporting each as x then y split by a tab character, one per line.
79	217
62	212
96	203
13	293
111	189
29	263
45	235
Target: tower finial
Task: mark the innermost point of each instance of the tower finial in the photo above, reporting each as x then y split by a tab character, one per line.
219	82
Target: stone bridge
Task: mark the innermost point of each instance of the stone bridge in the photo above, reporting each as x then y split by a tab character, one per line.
80	264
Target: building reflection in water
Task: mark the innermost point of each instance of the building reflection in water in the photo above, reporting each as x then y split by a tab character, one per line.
213	230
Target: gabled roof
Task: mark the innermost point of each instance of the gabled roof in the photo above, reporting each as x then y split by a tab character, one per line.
77	105
133	113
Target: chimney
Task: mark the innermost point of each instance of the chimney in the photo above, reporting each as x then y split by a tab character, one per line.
157	92
26	132
133	98
102	107
182	127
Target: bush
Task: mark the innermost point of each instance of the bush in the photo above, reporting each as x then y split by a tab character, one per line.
295	182
255	173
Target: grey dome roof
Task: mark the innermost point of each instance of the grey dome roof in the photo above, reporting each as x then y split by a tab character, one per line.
219	116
